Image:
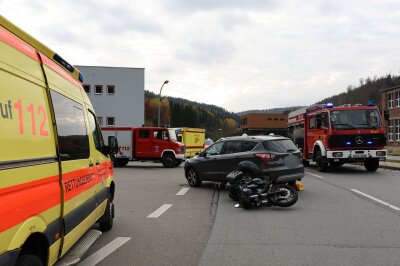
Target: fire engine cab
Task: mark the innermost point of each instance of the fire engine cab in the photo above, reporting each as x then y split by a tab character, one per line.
332	136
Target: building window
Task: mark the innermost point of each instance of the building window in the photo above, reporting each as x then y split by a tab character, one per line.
244	121
281	119
397	123
276	119
390	100
269	119
390	130
98	89
100	120
110	121
86	87
397	93
110	89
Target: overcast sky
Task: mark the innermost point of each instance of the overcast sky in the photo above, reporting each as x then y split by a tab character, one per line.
237	54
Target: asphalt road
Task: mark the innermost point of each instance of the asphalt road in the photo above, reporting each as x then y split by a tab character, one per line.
344	217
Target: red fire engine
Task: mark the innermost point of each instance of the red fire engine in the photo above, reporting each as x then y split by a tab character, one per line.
332	136
147	144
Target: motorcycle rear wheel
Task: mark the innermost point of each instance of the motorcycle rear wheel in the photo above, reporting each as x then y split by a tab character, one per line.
288	199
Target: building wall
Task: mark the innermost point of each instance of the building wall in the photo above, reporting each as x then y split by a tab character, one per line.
392	125
126	105
264	123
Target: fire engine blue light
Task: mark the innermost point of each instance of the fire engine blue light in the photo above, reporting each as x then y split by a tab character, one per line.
369	142
371	103
348	143
329	105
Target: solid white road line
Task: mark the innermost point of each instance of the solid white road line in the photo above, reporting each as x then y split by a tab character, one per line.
315	175
182	191
160	211
104	251
375	199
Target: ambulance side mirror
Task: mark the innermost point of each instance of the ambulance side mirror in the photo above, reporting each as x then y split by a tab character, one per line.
112	145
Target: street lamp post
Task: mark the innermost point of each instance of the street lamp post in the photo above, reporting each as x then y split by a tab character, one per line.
159	103
220	132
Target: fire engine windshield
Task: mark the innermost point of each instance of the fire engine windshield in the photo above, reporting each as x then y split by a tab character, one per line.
355	119
172	135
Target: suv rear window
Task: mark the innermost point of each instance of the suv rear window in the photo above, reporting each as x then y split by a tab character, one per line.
281	145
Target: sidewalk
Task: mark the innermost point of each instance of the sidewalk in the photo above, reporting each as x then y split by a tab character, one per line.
392	162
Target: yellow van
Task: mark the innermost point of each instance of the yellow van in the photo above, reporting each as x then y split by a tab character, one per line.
56	176
193	138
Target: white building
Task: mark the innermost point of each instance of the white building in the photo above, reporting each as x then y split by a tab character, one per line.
117	94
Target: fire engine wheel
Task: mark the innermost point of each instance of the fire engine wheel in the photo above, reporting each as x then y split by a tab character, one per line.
168	161
321	164
192	177
371	164
29	260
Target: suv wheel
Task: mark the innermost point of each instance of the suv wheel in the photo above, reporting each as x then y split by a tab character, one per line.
192	177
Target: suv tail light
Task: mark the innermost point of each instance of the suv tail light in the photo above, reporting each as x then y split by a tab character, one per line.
267	157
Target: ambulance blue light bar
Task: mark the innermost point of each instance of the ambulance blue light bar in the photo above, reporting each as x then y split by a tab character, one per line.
371	103
329	105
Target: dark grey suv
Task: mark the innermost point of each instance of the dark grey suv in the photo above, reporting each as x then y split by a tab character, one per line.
269	156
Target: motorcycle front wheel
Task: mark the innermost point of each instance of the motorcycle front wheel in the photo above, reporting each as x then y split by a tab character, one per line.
286	198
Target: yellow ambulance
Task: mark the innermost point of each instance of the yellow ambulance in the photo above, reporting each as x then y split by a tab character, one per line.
56	176
193	138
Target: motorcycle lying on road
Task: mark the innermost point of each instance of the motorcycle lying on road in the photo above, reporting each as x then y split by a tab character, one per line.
257	192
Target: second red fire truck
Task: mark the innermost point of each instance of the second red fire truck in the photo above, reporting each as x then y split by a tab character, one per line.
147	144
332	136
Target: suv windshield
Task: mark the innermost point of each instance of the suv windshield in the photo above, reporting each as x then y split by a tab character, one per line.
281	145
355	119
172	135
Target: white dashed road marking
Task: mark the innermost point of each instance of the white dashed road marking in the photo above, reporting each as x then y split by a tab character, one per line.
160	211
182	191
104	251
315	175
375	199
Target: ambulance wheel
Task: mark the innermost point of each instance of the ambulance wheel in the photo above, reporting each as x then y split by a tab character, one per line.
168	161
178	162
107	220
29	260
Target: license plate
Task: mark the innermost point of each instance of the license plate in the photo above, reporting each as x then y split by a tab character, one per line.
359	156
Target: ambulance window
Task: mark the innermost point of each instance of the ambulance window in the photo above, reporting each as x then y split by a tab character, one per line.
73	140
95	131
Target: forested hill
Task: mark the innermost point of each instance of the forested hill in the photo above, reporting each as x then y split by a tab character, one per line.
178	112
368	90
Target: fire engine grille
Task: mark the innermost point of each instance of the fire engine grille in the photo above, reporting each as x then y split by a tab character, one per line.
357	140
